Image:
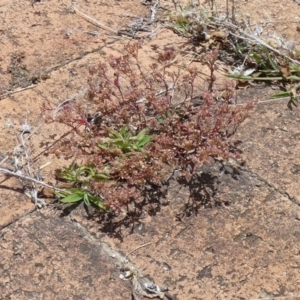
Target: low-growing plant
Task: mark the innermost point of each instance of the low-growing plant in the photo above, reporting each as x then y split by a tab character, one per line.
125	140
190	21
148	123
73	195
253	57
81	177
264	66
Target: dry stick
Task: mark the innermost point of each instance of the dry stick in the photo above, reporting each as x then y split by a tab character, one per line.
271	22
17	91
27	137
58	108
33	191
4	160
255	39
276	297
31	134
75	10
154	9
271	100
137	249
8	172
11	173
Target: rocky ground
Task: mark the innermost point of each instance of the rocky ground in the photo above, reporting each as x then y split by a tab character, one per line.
239	243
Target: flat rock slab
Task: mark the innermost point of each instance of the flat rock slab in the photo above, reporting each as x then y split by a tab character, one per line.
46	258
270	144
245	249
13	202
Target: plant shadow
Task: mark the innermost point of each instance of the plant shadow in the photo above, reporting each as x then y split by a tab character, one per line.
200	193
152	199
203	188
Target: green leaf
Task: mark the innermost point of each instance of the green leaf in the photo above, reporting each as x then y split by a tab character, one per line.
144	141
125	132
256	74
243	77
122	144
273	64
67	177
86	199
84	169
101	146
136	147
295	69
75	197
256	58
169	113
295	101
101	206
292	77
281	95
100	176
181	27
114	140
98	202
239	76
141	134
270	72
116	134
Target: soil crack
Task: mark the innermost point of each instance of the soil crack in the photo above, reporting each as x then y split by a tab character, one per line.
270	185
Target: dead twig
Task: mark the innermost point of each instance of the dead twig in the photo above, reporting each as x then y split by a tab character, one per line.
139	247
275	297
66	101
21	142
72	7
18	90
19	174
253	39
24	170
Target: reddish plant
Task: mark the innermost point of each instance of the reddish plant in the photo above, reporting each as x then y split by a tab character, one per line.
148	123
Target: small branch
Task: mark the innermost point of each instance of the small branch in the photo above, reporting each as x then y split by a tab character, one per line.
144	245
89	19
170	88
254	39
17	91
154	9
4	160
25	177
68	100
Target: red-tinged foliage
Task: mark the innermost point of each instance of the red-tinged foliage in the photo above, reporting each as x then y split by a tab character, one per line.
188	125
